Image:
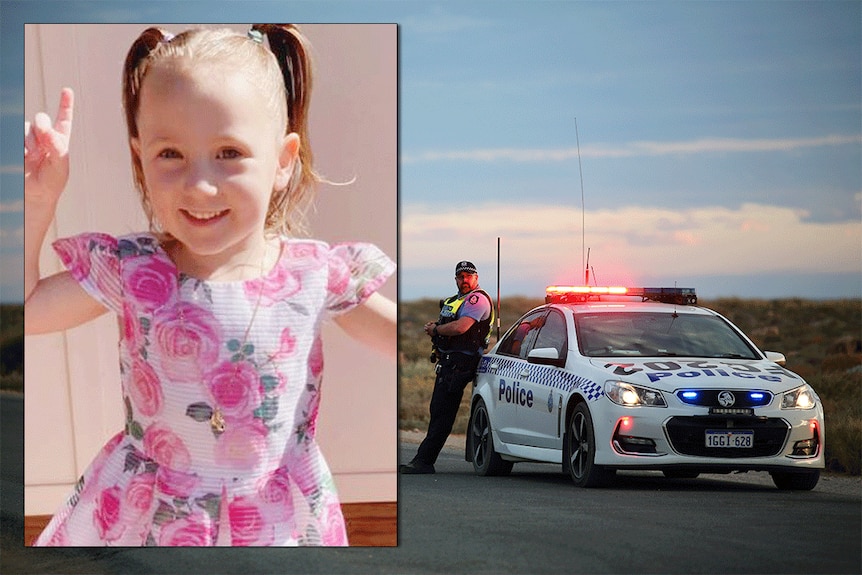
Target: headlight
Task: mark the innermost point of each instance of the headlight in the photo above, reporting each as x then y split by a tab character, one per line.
802	397
629	395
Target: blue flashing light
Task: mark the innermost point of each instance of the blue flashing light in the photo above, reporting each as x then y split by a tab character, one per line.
709	397
759	398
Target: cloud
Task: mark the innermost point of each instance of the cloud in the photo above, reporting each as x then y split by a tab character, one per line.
721	145
439	25
12	102
12	282
635	149
12	207
545	242
12	239
12	233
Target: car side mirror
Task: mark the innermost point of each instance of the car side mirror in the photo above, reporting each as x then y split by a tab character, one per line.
545	356
776	357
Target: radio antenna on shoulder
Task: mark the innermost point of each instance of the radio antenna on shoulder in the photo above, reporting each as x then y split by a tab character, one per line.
584	264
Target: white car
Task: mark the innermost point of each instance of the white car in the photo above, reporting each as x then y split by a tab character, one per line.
602	379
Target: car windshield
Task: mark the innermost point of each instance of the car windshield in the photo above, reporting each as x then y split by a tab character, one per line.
652	334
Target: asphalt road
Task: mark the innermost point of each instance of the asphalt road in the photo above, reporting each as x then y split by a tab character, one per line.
533	521
536	521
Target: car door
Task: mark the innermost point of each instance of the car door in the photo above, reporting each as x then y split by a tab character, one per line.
510	368
541	384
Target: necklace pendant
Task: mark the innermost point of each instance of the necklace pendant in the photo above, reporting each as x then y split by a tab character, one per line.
217	421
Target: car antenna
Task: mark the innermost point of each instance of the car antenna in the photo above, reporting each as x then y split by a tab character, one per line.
583	209
585	264
498	288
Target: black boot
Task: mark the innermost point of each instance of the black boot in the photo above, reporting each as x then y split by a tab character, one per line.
416	468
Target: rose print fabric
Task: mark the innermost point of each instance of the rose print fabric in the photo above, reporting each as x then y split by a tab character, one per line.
221	385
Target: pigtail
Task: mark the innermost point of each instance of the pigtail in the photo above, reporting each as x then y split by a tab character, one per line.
134	70
293	53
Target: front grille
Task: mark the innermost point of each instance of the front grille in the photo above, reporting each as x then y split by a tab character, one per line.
687	435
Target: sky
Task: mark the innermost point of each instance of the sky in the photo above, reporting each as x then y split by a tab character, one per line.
714	145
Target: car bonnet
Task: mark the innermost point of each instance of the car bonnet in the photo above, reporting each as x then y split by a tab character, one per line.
670	374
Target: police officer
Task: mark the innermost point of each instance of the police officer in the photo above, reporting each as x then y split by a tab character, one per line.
459	337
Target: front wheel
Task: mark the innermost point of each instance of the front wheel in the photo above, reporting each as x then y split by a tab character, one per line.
486	460
789	481
579	451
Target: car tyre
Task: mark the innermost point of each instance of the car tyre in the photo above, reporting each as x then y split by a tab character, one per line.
486	460
579	450
789	481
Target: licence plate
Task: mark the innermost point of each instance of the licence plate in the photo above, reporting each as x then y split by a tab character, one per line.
732	439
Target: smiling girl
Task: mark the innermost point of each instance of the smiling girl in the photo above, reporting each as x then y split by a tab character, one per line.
220	307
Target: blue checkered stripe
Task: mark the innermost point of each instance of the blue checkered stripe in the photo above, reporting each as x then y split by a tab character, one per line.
544	376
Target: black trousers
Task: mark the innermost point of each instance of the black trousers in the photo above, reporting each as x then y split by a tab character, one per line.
454	372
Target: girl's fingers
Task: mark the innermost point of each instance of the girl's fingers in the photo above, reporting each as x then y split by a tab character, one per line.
27	138
50	140
42	139
33	151
65	111
42	129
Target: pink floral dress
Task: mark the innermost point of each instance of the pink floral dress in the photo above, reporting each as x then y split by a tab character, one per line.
219	441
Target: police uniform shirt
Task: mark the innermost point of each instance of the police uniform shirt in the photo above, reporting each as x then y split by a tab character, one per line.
476	306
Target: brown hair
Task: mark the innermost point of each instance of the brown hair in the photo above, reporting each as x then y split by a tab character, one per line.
283	70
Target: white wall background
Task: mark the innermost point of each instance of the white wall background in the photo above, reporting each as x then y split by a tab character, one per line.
73	401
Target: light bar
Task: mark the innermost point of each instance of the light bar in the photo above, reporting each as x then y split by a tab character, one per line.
569	294
598	290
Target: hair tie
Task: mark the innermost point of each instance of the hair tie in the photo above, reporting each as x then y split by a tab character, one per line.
256	36
167	37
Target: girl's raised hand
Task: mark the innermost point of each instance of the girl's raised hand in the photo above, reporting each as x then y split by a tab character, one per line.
46	152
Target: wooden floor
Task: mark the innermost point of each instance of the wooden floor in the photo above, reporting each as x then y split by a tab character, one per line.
368	524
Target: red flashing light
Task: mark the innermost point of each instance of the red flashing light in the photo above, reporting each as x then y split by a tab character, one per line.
597	290
572	294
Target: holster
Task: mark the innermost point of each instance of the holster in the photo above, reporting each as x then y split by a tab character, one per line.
456	370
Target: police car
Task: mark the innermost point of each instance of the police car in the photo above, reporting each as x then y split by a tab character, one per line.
602	379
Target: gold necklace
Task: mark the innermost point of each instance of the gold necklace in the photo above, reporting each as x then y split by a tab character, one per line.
217	421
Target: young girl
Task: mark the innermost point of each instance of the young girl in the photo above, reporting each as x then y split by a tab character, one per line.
219	311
